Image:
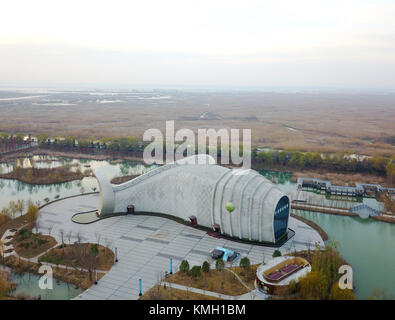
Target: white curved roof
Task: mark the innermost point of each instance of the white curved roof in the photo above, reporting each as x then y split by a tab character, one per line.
183	189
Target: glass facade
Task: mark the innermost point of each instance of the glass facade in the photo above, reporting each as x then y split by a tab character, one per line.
281	215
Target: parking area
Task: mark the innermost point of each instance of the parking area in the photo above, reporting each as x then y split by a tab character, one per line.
145	245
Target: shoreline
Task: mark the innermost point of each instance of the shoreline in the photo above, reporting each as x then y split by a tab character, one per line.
69	276
313	225
40	183
67	154
335	177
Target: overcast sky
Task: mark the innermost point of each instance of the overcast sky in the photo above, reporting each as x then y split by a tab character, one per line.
349	44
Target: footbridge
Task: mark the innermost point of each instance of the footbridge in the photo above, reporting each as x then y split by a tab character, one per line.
364	211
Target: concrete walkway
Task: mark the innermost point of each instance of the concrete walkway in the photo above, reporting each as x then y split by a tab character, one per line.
238	278
36	258
3	241
252	295
146	244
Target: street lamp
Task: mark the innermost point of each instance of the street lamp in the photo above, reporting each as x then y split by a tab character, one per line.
95	276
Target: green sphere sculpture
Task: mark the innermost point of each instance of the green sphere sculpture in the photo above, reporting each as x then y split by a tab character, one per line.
230	207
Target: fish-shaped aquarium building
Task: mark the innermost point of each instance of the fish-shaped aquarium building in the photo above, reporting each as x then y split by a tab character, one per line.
239	204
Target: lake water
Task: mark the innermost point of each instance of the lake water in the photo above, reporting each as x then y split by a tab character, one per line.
368	245
27	285
15	190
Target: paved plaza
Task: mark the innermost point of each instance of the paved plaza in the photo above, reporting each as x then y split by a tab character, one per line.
145	245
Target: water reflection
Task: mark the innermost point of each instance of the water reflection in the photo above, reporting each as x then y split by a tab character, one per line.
366	244
15	190
27	286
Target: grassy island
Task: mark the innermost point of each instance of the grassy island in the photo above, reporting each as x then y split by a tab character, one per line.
80	255
28	244
45	175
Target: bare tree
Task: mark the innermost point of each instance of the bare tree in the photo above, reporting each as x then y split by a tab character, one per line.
79	237
159	277
20	206
108	243
89	259
13	208
80	249
36	226
308	246
61	233
49	228
69	236
98	237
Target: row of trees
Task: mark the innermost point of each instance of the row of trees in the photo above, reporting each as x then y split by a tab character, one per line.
292	159
9	142
118	144
8	213
195	271
13	208
334	162
341	161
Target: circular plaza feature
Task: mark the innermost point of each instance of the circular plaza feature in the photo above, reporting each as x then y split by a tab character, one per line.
279	272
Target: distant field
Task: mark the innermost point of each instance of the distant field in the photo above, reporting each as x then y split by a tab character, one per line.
363	123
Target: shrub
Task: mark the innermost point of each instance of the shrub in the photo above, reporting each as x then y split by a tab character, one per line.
3	218
206	266
245	263
94	249
219	264
314	285
293	287
195	271
184	266
32	213
5	285
276	253
338	294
